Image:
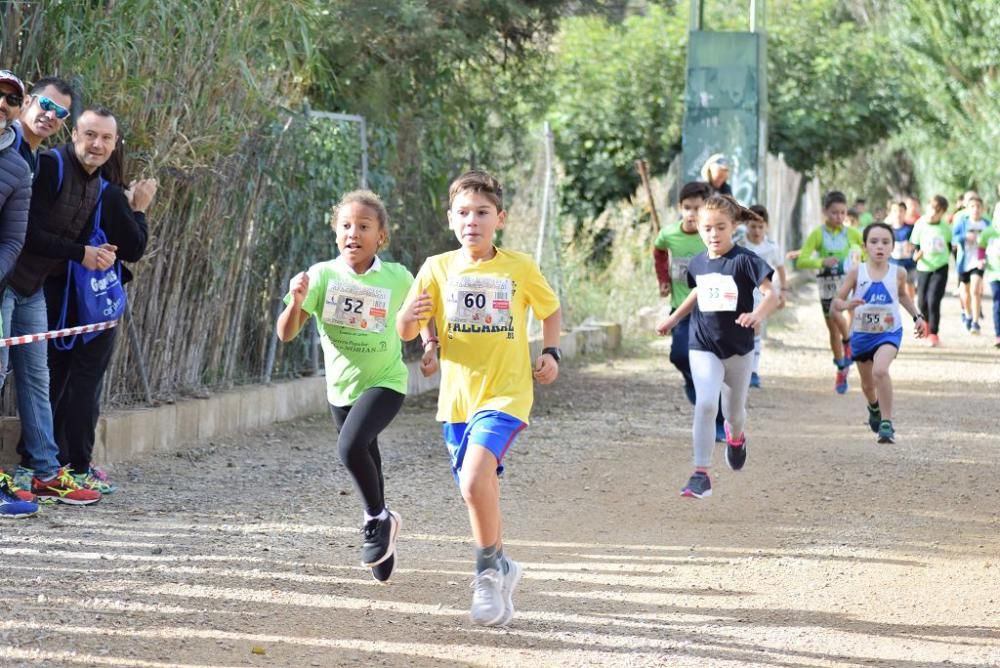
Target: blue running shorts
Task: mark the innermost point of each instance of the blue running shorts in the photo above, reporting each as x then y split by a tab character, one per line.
493	430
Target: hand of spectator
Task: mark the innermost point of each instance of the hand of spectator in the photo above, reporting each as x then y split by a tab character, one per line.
99	258
140	194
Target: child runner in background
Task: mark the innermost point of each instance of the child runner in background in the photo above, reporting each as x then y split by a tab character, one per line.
902	251
965	238
829	248
673	250
879	290
721	301
478	297
355	299
989	254
756	240
852	219
931	241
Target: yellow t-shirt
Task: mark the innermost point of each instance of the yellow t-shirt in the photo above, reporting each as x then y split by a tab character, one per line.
481	311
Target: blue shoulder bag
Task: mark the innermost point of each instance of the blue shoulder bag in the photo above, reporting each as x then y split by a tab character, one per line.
99	295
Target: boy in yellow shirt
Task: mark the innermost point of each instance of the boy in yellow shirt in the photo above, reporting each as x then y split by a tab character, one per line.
478	298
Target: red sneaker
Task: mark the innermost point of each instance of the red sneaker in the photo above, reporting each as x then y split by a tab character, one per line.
64	489
7	483
935	341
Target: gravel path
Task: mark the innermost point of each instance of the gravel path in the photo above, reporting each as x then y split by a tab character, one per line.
827	550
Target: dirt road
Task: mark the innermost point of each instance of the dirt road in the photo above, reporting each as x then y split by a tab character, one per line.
827	550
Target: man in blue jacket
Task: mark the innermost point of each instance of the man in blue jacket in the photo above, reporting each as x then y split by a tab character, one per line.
15	197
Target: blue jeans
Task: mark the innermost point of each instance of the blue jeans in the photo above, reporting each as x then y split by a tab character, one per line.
27	315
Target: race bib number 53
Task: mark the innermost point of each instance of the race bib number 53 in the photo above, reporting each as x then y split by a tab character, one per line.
479	300
717	292
362	307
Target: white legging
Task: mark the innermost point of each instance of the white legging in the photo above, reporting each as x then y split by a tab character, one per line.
731	377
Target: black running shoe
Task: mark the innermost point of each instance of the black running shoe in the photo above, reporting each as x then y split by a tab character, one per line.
874	418
698	487
382	572
379	539
736	450
886	434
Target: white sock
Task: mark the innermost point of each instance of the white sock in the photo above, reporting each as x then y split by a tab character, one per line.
756	354
381	516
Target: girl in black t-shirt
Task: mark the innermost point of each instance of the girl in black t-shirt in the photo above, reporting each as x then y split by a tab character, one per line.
722	281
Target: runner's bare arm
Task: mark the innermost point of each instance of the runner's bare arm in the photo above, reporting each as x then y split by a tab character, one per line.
840	302
906	301
546	367
293	317
429	360
679	313
768	305
412	316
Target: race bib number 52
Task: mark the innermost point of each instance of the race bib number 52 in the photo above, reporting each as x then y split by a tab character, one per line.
362	307
479	300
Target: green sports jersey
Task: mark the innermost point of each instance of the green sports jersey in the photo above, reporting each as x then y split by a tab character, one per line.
682	246
824	242
356	319
934	241
865	219
990	240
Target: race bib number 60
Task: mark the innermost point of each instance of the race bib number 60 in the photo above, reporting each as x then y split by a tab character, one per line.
717	292
362	307
479	300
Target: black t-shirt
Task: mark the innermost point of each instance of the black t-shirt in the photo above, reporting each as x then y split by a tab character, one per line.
725	290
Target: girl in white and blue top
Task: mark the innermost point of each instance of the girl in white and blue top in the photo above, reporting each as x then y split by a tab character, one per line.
879	290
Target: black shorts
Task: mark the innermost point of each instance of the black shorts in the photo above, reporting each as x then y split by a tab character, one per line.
966	276
869	355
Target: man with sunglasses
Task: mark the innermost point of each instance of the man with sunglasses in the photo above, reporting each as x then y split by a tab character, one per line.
15	197
44	112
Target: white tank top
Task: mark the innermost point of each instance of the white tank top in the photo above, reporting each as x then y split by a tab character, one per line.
880	314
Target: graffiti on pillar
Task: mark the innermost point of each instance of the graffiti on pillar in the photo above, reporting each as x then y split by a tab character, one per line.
722	107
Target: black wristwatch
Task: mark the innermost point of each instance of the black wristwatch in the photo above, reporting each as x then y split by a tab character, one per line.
555	352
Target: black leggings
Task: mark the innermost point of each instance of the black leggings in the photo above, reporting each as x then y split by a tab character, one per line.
359	426
930	291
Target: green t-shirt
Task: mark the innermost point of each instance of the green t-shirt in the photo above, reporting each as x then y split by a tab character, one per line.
824	242
356	320
990	240
682	247
865	219
934	239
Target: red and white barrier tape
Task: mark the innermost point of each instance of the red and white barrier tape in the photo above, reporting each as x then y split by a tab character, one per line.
56	334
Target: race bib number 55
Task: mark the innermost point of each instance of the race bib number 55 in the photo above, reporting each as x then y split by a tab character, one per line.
872	319
362	307
479	300
717	292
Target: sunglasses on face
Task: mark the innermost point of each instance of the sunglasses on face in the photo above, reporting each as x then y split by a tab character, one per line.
48	105
13	99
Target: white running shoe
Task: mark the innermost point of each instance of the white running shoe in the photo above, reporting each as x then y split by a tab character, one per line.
488	607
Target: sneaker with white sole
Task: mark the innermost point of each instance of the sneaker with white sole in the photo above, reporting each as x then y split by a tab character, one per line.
488	605
380	539
507	587
64	489
698	486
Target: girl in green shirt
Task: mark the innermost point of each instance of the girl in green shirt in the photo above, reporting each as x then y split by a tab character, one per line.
355	299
